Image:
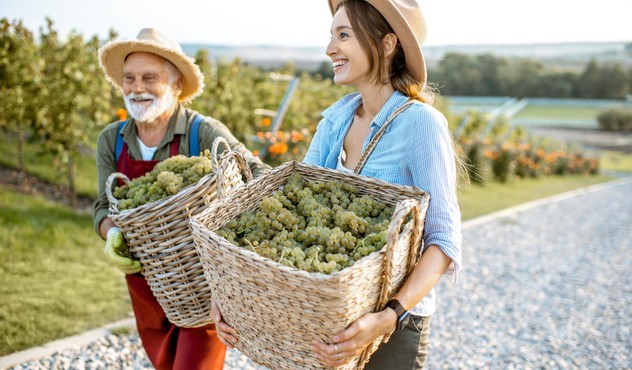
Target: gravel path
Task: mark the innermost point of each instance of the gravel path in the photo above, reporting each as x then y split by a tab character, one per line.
548	287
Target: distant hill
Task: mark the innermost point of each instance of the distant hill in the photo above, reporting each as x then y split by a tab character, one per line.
562	54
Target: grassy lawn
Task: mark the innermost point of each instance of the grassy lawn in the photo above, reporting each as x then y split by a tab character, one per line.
54	280
477	200
616	161
556	113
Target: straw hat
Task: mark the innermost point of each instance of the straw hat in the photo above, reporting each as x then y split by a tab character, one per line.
406	19
112	56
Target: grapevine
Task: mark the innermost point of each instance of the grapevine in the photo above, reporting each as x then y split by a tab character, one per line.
166	179
315	226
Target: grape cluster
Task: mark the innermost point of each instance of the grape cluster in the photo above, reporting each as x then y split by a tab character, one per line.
166	179
316	226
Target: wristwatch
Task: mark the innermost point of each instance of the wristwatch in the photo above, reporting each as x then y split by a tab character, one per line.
402	315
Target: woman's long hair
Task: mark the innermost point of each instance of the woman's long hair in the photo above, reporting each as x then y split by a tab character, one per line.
370	28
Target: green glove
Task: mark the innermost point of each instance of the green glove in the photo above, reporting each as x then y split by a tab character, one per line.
117	254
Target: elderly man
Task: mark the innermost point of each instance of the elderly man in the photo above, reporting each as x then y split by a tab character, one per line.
155	77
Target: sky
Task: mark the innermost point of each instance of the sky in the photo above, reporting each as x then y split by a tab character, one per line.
307	22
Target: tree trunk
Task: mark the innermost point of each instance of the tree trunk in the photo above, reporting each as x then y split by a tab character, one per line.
21	169
71	181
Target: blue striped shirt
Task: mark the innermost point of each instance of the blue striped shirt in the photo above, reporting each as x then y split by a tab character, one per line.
416	149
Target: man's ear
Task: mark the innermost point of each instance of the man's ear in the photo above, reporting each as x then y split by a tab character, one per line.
177	87
389	42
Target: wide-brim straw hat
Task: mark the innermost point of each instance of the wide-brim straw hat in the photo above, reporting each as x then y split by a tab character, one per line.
112	57
406	19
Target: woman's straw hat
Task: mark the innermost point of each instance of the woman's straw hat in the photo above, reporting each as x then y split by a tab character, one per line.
112	56
406	19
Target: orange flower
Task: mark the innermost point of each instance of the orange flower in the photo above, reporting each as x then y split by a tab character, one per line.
295	151
260	135
255	153
297	136
122	114
278	148
265	121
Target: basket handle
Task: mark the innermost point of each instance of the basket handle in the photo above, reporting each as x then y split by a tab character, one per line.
109	183
223	187
402	209
215	156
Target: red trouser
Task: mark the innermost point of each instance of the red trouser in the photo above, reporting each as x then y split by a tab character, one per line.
170	347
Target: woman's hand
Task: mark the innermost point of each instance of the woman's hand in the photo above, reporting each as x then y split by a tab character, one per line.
225	333
350	342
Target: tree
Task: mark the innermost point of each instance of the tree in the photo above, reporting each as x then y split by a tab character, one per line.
614	82
458	74
78	98
589	80
20	84
525	78
494	75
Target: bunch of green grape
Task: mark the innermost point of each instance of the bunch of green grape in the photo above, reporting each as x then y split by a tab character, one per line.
166	179
316	226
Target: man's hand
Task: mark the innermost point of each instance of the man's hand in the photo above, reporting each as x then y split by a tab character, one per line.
116	252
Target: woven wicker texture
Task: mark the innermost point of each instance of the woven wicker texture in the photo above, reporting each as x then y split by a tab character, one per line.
158	235
278	310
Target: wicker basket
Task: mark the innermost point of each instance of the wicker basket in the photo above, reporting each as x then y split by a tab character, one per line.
278	310
158	235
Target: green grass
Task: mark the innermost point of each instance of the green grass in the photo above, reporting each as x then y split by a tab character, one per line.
43	167
556	113
616	161
54	281
477	200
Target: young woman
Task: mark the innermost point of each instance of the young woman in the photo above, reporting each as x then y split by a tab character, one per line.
376	47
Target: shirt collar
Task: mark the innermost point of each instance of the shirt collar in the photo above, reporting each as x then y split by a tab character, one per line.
395	101
344	109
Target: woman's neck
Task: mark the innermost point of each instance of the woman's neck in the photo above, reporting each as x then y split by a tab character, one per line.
374	98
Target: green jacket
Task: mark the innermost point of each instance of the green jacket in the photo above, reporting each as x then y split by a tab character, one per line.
179	123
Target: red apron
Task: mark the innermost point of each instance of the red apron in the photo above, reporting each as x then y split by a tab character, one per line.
168	347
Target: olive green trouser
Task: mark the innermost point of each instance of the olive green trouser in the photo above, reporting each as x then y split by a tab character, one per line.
406	349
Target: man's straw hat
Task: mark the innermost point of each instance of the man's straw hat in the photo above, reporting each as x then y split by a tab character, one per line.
406	19
112	56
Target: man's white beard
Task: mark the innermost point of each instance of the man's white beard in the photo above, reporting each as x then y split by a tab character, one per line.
148	114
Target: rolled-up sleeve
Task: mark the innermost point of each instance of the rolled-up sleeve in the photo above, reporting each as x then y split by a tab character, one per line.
433	168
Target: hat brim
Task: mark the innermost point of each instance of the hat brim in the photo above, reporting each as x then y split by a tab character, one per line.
112	58
410	42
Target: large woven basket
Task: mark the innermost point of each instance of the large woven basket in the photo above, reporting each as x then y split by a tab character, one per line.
279	310
158	235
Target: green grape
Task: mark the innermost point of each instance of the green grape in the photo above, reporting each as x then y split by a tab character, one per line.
166	179
315	226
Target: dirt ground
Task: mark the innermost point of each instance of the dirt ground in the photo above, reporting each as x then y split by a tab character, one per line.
10	179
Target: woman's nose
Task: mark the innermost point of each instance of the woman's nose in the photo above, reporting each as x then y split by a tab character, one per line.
331	48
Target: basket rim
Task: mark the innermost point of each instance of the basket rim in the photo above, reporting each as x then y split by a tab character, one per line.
296	166
161	203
